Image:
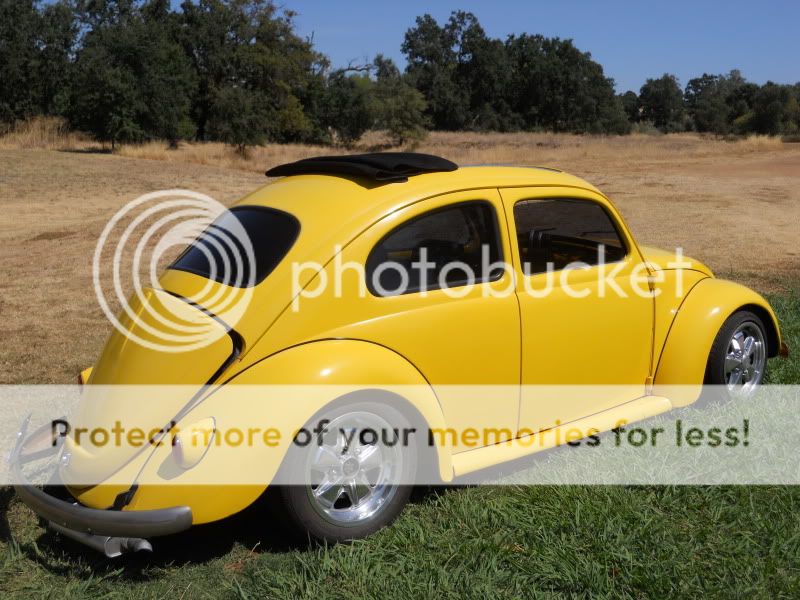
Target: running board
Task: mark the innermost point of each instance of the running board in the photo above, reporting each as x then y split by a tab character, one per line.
630	412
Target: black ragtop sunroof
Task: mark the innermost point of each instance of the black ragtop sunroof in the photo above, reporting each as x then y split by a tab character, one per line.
386	167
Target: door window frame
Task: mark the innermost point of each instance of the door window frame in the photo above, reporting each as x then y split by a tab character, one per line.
620	232
368	270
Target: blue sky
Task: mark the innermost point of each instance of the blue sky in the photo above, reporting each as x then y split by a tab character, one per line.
632	40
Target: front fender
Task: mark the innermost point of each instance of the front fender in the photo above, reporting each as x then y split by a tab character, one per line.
326	370
699	319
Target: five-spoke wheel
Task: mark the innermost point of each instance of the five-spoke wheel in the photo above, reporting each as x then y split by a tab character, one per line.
745	358
738	357
352	473
355	475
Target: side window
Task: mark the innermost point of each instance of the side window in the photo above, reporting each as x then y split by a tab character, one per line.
447	247
561	231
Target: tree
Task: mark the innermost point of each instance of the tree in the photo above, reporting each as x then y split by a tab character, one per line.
714	102
462	73
612	118
237	71
482	70
630	104
775	110
251	45
131	80
94	14
349	109
18	22
399	108
558	87
471	81
56	44
105	101
662	103
237	118
35	48
432	61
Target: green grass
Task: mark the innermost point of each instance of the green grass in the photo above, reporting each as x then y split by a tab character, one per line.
787	307
573	541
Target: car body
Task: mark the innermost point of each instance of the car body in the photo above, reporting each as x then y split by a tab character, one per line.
649	343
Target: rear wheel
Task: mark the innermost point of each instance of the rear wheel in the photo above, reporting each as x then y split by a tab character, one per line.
355	474
738	357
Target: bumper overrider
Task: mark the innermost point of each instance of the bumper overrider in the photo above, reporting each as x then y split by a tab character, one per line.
110	531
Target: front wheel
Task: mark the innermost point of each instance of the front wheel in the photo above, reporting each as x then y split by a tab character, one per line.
738	357
355	475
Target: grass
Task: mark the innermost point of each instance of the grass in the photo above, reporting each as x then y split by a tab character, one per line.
512	541
787	307
42	133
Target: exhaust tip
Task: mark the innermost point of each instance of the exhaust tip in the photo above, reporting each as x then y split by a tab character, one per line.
108	545
136	545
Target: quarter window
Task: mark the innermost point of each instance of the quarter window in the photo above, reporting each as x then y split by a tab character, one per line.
449	247
561	231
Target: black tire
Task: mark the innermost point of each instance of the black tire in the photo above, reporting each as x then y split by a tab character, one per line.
715	368
306	516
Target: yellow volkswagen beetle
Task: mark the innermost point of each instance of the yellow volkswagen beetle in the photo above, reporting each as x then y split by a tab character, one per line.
371	273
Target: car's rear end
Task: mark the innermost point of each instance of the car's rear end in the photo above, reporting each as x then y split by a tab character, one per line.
179	341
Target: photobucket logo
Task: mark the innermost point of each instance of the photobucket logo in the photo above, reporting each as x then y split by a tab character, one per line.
136	245
427	272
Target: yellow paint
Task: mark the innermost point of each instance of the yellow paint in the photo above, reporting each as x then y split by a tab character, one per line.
629	412
368	342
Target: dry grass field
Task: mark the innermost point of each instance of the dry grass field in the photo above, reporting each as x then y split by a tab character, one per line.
734	205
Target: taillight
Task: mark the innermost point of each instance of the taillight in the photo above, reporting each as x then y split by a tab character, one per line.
191	443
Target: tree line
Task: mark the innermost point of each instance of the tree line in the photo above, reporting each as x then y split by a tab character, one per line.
237	71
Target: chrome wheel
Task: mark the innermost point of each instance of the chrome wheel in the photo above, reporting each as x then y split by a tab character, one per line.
745	359
353	469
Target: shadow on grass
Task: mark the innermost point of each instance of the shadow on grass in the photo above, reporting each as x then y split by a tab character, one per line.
260	528
6	495
254	528
90	150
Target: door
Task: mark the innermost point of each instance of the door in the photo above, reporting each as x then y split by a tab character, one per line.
461	332
585	307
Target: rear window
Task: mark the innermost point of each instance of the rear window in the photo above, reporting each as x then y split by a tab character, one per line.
242	247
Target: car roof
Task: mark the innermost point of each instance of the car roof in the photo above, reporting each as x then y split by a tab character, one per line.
333	199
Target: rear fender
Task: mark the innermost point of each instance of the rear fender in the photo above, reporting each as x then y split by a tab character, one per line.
347	365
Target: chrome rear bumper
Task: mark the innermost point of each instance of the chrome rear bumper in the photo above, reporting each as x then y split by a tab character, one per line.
114	530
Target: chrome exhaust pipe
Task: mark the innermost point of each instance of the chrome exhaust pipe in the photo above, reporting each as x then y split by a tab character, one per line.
110	546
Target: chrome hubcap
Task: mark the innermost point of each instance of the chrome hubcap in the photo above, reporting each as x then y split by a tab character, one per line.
352	471
745	359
